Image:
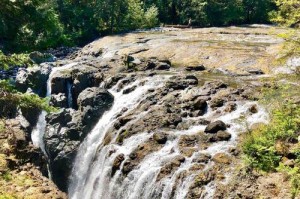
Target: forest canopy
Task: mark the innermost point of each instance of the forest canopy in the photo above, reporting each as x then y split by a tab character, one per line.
27	25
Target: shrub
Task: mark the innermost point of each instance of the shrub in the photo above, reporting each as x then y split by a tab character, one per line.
151	17
11	100
14	60
264	147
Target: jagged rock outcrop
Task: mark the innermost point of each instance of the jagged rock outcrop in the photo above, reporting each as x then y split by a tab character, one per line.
71	82
35	78
24	165
66	129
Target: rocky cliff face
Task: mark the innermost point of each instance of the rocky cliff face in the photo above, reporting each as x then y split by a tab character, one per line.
22	165
134	125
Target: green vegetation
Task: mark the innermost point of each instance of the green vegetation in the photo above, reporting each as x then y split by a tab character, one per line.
291	45
27	25
266	146
11	100
7	196
288	13
276	147
14	60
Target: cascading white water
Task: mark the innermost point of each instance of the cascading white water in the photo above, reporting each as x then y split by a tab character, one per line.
90	166
38	131
91	174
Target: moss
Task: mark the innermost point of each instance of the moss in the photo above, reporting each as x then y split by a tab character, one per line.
6	176
123	135
7	196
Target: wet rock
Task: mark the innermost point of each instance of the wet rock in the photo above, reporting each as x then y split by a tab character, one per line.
39	57
127	167
162	66
220	136
160	137
202	158
253	109
93	102
223	136
195	68
66	129
121	122
117	163
230	107
214	127
170	167
150	65
110	82
187	144
129	90
181	82
172	119
35	78
59	82
93	96
31	114
203	178
255	71
217	102
184	114
188	140
200	104
59	100
62	117
222	158
84	76
192	79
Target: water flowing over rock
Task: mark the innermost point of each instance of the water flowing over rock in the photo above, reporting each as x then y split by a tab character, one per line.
136	151
151	115
34	78
139	135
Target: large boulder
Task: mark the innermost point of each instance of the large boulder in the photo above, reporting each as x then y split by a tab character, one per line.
59	81
93	102
181	82
39	57
35	78
216	126
59	100
195	68
85	76
72	82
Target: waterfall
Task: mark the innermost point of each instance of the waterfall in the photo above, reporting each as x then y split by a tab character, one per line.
38	131
91	174
69	94
86	172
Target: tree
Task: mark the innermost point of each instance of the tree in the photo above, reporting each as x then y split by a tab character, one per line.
288	13
29	24
256	11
